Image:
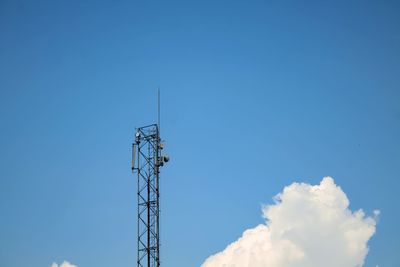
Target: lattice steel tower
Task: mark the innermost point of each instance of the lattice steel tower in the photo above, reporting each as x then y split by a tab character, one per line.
146	162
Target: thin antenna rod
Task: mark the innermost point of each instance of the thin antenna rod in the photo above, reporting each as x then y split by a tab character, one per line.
158	110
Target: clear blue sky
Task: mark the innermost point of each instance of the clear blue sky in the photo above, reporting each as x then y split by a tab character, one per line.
255	95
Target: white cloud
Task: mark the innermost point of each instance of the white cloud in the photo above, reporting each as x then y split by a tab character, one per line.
64	264
308	226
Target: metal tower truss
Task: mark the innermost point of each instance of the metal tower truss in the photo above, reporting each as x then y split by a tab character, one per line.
146	161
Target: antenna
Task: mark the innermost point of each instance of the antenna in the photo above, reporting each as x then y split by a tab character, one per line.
158	110
133	156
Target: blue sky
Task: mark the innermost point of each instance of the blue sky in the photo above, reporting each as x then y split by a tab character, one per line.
255	95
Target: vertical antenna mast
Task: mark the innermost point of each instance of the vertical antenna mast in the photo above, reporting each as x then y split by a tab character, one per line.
158	110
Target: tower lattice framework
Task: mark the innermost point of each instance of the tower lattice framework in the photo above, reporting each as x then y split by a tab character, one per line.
146	162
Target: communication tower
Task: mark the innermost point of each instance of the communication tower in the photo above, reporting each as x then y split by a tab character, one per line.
147	159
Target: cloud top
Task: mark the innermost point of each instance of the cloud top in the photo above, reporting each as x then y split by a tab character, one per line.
64	264
308	226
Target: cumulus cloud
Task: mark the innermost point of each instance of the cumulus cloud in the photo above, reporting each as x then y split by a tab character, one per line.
64	264
308	226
